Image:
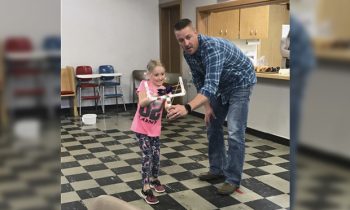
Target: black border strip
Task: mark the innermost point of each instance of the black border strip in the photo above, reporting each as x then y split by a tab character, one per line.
268	136
324	156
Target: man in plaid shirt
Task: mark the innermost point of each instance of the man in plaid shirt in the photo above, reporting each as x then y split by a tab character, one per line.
224	77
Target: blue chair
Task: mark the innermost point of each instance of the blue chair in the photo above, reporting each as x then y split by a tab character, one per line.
110	82
52	43
52	47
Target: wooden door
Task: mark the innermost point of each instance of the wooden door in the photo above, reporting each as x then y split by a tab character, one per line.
169	47
170	52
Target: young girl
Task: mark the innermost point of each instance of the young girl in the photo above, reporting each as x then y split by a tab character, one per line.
147	127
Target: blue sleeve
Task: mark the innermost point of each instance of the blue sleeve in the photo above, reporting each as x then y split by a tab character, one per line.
213	62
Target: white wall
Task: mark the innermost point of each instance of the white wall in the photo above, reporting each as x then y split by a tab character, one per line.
325	111
35	19
269	107
121	33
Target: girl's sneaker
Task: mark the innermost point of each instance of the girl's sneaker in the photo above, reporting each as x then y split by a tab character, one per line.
149	197
157	186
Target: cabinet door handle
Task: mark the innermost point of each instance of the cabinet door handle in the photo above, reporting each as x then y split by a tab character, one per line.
220	31
251	32
225	31
256	31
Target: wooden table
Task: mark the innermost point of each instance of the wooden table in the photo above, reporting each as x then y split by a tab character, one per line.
93	76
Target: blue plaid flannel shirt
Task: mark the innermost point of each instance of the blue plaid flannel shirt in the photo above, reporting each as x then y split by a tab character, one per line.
218	67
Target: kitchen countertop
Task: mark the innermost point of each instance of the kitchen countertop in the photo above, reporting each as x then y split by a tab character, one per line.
273	76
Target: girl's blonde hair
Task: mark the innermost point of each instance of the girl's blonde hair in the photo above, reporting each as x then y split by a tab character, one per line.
152	64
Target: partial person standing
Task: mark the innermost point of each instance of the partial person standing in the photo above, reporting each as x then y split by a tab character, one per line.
285	51
224	77
302	65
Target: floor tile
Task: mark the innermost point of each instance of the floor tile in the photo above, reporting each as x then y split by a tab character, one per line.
82	185
108	180
69	197
127	196
189	199
281	200
210	194
262	204
91	193
260	187
78	177
275	182
167	202
76	205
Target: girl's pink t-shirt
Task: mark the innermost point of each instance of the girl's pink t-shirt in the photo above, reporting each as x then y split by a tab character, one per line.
147	120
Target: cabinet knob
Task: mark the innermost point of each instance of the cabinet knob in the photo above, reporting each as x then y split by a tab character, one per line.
221	31
251	32
256	32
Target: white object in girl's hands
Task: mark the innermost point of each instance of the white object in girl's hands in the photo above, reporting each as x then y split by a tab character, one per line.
167	96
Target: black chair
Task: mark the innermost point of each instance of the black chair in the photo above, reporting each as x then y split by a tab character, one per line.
137	76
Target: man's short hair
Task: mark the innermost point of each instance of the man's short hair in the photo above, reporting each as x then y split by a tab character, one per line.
181	24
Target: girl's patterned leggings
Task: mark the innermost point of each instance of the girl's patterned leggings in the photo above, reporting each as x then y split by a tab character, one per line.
150	147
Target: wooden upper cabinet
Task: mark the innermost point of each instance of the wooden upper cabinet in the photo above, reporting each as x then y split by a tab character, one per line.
215	25
254	22
224	24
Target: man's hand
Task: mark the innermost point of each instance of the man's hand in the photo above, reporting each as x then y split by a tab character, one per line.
209	115
176	111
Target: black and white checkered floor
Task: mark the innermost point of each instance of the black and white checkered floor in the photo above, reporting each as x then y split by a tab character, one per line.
105	159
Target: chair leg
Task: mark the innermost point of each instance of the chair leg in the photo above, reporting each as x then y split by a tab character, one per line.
122	93
75	110
116	98
123	103
99	100
103	99
80	101
3	114
95	99
133	93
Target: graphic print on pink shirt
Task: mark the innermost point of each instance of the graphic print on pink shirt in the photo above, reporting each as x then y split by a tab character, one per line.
147	119
151	113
